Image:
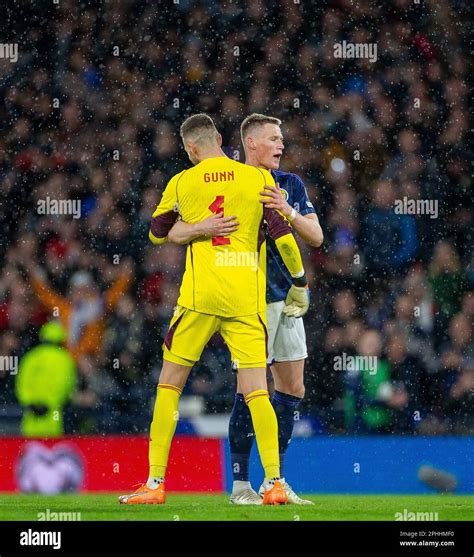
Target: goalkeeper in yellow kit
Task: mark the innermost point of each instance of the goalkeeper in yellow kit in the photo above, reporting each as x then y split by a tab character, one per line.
223	290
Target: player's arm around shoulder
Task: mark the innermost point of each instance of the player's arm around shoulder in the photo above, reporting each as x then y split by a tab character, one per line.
183	233
166	213
305	223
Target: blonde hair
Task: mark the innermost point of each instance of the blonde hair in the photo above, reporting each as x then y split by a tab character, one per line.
255	120
198	128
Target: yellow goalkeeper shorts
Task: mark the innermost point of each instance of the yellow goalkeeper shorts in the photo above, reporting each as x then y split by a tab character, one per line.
190	331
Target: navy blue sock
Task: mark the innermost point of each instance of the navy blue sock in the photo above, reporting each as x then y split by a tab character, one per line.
285	406
241	437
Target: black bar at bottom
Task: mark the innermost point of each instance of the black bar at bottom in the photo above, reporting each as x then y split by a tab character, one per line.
293	538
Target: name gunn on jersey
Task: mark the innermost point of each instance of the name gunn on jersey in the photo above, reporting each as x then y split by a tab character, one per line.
219	176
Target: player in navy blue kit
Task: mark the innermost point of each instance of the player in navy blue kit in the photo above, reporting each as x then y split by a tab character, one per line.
263	144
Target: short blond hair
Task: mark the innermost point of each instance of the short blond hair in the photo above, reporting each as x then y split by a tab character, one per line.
255	120
199	127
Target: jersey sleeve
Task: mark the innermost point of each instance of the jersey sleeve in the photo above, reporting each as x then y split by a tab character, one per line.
285	242
280	231
166	214
301	197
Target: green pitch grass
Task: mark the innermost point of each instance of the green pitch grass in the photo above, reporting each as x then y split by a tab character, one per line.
217	507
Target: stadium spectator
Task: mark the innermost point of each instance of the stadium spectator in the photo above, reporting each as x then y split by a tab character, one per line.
460	402
83	312
448	283
374	401
400	242
45	382
460	346
409	376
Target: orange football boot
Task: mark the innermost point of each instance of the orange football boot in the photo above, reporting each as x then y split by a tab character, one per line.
275	496
145	496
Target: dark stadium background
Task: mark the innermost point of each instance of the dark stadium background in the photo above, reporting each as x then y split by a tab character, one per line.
375	267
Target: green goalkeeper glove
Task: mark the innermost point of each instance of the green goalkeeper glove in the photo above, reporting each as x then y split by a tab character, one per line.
297	301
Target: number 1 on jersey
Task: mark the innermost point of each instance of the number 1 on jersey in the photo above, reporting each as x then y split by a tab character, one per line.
217	208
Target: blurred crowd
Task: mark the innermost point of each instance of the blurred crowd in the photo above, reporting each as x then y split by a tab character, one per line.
91	112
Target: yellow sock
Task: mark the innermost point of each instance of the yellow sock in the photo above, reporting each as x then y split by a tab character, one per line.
265	426
163	426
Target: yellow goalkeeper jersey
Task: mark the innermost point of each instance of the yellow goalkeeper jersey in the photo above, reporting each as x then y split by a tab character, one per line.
224	276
